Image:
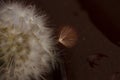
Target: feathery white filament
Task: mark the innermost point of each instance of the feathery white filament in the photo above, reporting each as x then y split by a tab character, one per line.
26	45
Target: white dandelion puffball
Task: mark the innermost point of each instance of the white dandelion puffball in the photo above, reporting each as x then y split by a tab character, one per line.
26	44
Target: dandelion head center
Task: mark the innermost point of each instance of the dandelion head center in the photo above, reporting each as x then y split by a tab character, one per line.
13	43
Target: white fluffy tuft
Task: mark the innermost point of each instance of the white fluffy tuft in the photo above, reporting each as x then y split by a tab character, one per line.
26	45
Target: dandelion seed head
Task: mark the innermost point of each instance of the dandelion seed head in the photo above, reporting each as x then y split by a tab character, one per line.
26	44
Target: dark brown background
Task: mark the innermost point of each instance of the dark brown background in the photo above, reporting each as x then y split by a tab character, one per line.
98	25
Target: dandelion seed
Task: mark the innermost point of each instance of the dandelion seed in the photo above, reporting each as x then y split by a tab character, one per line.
68	36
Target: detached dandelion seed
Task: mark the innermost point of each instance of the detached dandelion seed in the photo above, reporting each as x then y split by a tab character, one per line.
27	48
68	36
